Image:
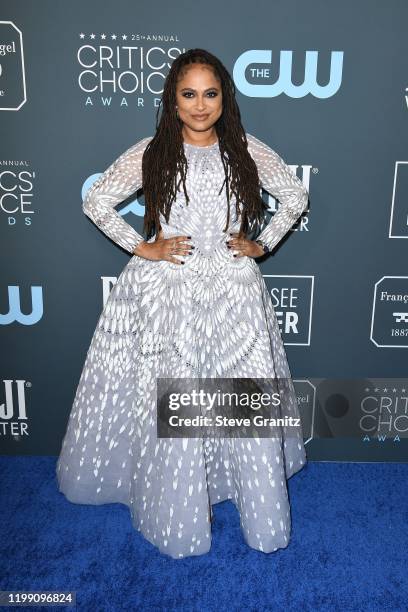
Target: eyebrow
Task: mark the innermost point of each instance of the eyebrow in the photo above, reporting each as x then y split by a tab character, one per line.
192	89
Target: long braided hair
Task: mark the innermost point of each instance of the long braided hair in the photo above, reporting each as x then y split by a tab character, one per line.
164	155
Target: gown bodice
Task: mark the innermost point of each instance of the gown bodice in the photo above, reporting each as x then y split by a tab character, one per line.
205	215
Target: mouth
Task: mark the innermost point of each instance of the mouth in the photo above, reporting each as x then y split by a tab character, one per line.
200	117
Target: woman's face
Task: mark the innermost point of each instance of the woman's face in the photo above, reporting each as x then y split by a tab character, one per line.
199	101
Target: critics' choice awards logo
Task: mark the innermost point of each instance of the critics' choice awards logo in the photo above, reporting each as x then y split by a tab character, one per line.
399	209
17	192
27	313
13	411
118	65
389	318
258	73
384	410
12	72
292	299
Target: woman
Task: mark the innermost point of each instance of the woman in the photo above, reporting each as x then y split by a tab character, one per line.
190	303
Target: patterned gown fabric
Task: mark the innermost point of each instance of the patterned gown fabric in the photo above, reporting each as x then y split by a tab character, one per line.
211	317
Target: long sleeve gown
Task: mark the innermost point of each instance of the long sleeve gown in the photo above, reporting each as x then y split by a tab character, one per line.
211	317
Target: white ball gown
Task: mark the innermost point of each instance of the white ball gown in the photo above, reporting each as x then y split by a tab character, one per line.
211	317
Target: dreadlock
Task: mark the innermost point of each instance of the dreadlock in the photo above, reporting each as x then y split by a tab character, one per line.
164	155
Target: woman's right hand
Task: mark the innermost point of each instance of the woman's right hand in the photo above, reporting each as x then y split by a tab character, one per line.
165	248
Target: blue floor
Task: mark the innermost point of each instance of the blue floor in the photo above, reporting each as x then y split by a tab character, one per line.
348	548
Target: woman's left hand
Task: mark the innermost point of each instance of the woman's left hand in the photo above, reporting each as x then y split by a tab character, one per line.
243	246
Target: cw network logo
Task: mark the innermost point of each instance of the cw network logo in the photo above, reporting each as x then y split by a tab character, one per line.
284	82
15	313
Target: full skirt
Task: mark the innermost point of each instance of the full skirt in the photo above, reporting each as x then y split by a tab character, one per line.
207	319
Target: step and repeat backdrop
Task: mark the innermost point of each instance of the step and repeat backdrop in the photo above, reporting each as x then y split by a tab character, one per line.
322	83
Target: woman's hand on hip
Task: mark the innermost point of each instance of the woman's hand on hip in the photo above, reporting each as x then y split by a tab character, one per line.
165	248
243	246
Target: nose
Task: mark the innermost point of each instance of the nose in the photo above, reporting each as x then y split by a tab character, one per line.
200	104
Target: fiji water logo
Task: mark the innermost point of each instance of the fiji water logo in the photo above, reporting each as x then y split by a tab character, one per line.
15	313
13	411
247	60
14	407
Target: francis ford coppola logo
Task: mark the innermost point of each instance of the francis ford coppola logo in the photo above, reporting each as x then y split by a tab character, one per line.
389	317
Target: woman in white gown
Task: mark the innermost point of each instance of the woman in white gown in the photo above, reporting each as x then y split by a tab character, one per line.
191	306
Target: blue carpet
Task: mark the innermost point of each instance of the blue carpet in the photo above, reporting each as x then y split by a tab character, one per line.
348	548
